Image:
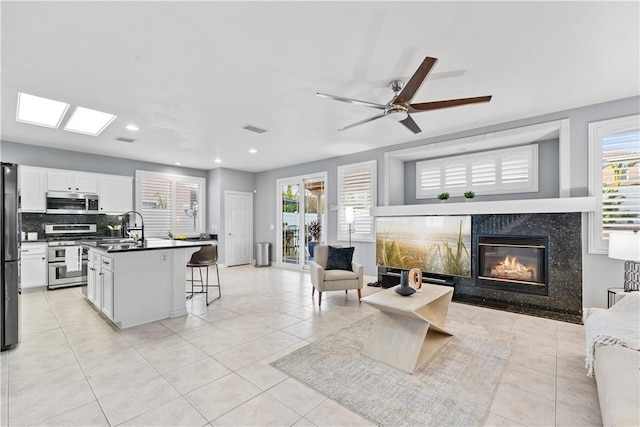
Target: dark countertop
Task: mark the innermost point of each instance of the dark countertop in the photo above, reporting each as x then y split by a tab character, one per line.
148	245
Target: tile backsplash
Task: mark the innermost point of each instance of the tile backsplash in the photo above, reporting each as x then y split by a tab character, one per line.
35	222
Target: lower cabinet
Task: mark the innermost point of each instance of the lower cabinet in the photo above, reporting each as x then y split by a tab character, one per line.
100	282
33	265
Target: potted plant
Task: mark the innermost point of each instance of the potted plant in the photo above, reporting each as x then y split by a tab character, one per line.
315	229
468	195
443	197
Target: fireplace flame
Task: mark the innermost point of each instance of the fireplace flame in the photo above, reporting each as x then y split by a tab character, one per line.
511	268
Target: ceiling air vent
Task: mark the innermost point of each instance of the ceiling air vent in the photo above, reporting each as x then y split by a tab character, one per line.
123	139
252	128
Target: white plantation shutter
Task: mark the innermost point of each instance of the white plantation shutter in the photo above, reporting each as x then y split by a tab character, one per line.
510	170
455	176
163	198
483	173
156	209
356	192
620	201
614	179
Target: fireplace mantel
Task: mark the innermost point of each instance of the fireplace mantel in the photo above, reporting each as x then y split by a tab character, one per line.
557	205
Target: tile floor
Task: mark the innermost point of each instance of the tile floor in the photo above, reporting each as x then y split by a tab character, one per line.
72	367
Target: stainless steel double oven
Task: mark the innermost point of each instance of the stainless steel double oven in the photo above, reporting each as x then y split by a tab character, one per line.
60	237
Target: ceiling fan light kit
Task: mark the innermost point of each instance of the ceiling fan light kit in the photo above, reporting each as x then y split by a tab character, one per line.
399	109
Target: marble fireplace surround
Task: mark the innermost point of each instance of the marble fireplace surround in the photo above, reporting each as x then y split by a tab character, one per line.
560	219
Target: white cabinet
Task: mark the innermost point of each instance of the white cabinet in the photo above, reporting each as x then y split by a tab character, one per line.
115	193
62	180
33	187
100	282
33	265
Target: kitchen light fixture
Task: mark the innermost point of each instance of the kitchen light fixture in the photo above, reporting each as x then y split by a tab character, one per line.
89	122
132	127
253	151
40	111
217	160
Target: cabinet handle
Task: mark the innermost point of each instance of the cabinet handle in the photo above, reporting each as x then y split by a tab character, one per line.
43	258
69	188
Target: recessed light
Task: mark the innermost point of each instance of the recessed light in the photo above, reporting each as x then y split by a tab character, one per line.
132	127
253	151
40	111
177	163
89	122
217	160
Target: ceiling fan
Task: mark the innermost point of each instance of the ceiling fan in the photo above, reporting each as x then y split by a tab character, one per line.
400	108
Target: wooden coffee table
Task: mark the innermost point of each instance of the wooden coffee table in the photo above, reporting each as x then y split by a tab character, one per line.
408	330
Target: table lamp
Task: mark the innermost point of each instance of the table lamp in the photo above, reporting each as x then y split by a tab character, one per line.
626	246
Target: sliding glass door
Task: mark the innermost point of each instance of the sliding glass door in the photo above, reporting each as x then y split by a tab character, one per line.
301	218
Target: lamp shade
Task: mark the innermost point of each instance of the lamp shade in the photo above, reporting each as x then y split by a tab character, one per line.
625	246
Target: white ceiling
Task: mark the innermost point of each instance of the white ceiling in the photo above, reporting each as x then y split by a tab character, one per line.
189	74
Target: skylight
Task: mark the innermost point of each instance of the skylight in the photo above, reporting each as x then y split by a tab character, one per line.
40	111
88	122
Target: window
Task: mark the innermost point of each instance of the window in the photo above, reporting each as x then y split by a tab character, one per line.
356	196
614	179
510	170
173	203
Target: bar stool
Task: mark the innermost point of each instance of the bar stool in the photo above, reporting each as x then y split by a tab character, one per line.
206	257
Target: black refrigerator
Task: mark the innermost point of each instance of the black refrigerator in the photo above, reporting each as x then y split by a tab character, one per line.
10	252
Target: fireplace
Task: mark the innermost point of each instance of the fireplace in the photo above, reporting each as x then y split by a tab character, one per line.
513	263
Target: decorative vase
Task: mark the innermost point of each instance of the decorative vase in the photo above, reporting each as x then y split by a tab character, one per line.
311	246
404	289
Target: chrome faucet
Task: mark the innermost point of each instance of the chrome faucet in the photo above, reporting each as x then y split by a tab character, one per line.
129	231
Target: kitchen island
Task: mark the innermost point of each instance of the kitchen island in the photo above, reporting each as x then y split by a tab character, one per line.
133	284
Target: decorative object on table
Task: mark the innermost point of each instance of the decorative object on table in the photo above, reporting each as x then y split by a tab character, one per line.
315	229
415	278
443	197
115	230
469	195
626	246
404	289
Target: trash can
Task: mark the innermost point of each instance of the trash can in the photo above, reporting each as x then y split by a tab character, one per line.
262	254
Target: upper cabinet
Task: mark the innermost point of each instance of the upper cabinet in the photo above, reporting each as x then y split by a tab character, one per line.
33	187
115	193
81	182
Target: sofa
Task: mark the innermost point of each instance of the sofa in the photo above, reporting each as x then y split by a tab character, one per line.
613	357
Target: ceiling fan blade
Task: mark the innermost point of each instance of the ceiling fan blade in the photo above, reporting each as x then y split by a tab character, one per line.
352	101
361	122
435	105
411	125
409	91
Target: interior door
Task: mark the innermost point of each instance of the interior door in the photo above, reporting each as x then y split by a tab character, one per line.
238	220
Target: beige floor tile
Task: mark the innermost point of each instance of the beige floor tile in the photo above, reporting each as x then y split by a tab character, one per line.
329	413
578	392
533	360
262	410
494	420
537	343
87	415
242	355
50	402
25	381
173	357
303	422
195	375
106	363
122	376
521	407
137	400
568	416
177	412
147	332
529	381
222	395
297	396
183	323
262	375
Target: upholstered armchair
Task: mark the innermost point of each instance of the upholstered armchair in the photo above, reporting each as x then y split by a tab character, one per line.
324	279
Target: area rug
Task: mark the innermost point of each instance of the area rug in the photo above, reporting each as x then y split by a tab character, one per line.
454	388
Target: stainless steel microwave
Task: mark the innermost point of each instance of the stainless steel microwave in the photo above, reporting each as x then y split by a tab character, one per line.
60	202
